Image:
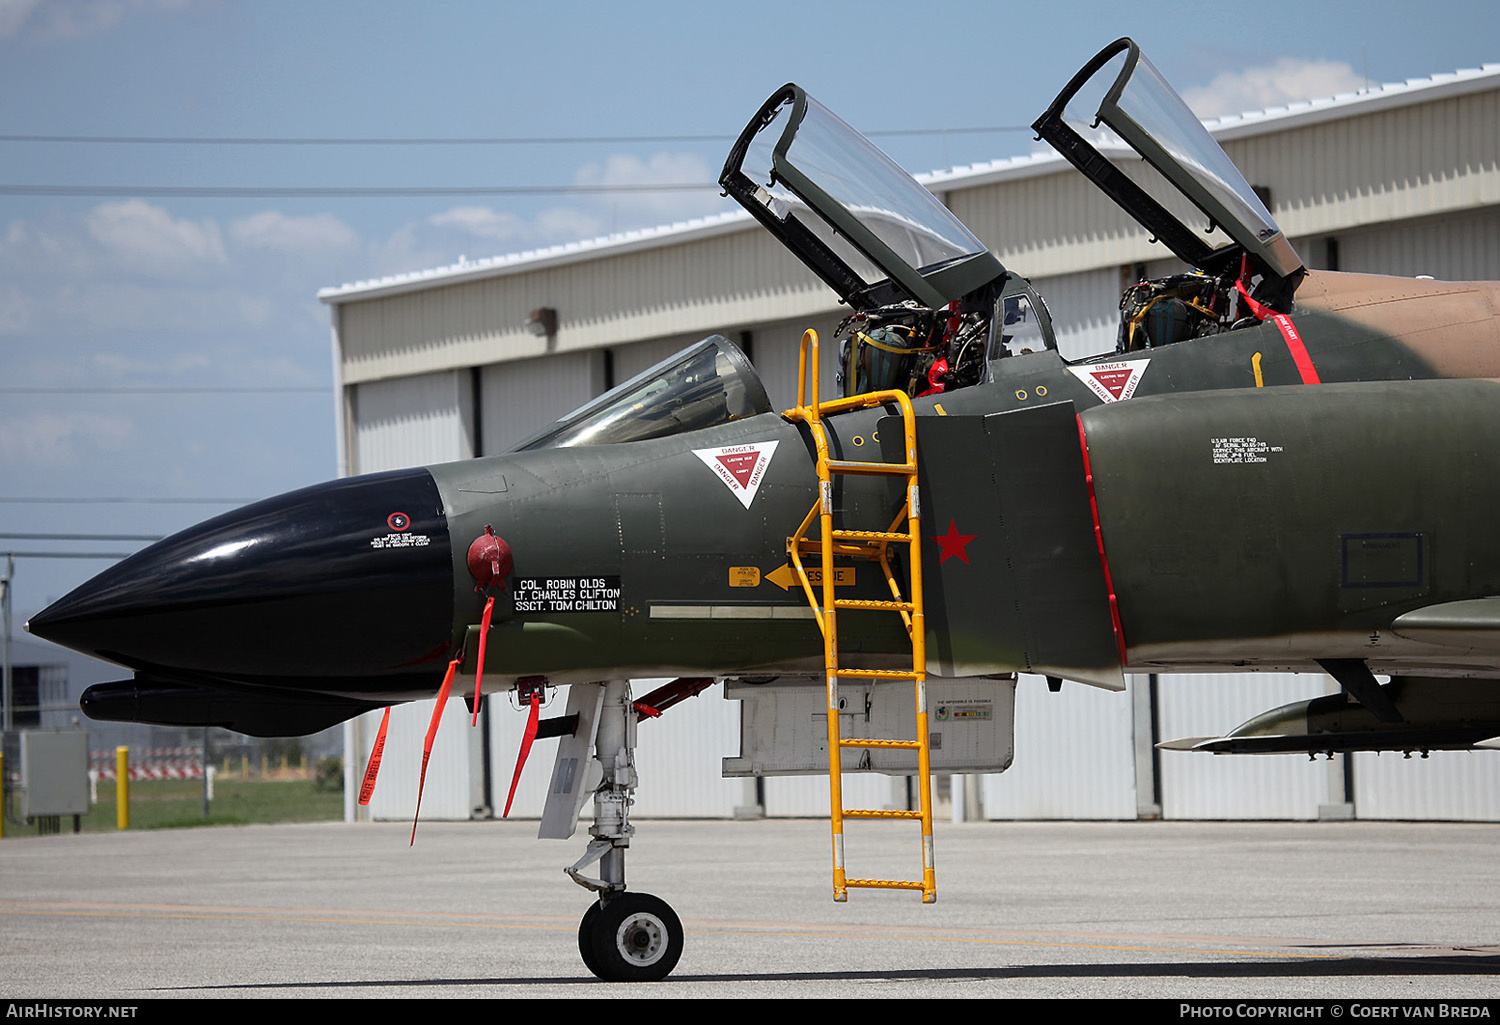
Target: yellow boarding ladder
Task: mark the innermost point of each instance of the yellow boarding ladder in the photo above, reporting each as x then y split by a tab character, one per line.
874	546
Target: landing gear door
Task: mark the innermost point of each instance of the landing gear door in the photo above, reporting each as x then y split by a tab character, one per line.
1012	576
575	773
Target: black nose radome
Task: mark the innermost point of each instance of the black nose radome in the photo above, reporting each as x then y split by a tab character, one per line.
353	578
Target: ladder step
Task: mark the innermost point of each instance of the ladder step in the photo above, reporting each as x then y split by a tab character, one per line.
880	674
853	742
885	884
895	469
872	535
841	550
877	813
863	603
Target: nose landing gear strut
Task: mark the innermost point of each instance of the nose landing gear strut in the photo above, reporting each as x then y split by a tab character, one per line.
623	937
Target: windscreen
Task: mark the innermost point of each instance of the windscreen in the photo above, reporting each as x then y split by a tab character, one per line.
703	385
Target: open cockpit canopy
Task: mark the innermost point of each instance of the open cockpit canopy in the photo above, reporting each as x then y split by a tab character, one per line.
1192	176
863	225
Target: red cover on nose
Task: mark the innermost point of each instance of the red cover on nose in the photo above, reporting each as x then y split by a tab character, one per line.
490	560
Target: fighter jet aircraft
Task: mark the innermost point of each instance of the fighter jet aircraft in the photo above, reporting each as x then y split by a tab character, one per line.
1277	469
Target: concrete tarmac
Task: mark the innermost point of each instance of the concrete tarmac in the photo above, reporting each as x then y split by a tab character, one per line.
1222	911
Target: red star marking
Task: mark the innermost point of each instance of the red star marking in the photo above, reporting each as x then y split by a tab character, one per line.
952	544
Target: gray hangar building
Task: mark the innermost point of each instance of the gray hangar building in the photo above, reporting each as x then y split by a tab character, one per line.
467	360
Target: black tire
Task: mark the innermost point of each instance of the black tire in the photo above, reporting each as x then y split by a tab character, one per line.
586	939
636	938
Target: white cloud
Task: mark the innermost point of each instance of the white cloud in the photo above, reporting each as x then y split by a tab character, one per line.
407	250
145	239
132	267
622	169
481	231
478	232
558	224
14	15
65	19
56	246
1286	81
318	235
51	439
482	222
567	224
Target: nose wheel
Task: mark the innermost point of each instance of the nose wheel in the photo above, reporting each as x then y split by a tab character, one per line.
634	937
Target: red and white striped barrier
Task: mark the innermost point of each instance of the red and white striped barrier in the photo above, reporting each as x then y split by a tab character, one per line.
151	763
153	772
150	772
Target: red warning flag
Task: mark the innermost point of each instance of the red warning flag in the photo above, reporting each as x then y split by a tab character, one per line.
373	769
437	717
526	739
484	634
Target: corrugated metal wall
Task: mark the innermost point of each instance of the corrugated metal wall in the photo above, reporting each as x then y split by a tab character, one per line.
520	398
775	357
412	421
1452	248
1389	165
807	796
1202	786
693	288
1074	756
1085	310
638	357
1446	785
447	795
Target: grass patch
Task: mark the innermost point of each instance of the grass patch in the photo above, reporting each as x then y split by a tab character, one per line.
178	804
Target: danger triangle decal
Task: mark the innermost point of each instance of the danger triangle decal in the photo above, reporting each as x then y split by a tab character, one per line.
740	467
1112	382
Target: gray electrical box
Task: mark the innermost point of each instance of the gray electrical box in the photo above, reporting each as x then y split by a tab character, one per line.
784	728
54	773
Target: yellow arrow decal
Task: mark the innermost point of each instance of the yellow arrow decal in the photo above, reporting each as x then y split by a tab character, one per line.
784	576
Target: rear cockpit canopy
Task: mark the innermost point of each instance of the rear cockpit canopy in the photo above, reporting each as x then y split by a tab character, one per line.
1189	177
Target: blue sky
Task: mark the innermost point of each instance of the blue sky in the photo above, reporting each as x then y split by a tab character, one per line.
167	292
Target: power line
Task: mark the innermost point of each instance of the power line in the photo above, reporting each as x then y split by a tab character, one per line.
263	140
97	500
70	555
81	537
166	390
341	191
511	140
